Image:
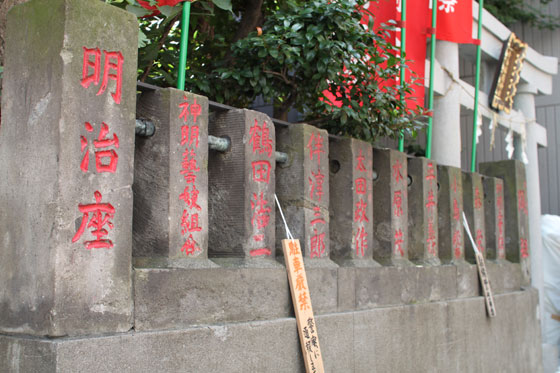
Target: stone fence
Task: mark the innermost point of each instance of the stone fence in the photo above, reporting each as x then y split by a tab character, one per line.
104	233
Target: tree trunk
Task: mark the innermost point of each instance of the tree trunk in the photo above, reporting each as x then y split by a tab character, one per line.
252	17
5	6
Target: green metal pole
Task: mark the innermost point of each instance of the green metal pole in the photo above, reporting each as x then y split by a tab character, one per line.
184	44
431	91
403	51
477	85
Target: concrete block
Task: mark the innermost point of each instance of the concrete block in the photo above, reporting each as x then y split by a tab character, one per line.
473	205
241	193
303	189
351	210
423	212
494	218
67	150
170	223
174	298
505	277
450	209
516	210
390	207
468	284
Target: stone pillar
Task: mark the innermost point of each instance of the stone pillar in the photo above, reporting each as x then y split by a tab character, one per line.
494	218
352	209
170	223
241	190
303	188
450	210
390	207
473	206
67	148
423	212
516	211
446	138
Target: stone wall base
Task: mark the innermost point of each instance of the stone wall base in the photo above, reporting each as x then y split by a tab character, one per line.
443	336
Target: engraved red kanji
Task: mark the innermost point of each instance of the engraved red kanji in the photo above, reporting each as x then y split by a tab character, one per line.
195	110
477	198
361	185
315	146
113	61
316	184
101	215
360	214
360	166
431	201
189	223
431	175
522	202
190	197
101	142
456	243
454	185
397	203
261	171
190	246
188	166
361	241
261	215
318	217
190	136
260	139
431	240
397	171
480	240
524	248
317	244
456	211
399	242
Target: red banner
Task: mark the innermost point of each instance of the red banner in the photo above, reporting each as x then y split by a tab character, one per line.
454	21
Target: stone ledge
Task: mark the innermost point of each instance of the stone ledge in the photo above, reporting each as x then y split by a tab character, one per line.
437	336
178	298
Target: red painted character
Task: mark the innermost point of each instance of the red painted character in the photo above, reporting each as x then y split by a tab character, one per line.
480	240
315	146
188	166
477	199
361	212
524	248
316	185
431	200
431	241
399	242
189	223
261	215
397	203
190	197
101	215
190	136
260	139
190	246
457	243
195	110
431	175
361	185
456	211
361	241
261	171
112	69
317	245
303	301
522	202
397	171
318	217
360	166
102	142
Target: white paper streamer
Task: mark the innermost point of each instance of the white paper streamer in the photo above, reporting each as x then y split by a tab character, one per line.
509	144
478	126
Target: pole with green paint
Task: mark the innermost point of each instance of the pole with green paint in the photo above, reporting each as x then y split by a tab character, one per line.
183	45
431	91
477	85
403	51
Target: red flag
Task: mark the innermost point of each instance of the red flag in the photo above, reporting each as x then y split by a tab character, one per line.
454	21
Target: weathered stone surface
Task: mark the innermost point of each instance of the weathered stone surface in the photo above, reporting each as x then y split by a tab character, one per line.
241	193
494	218
516	210
450	336
303	190
473	206
423	211
450	210
390	207
170	222
67	148
352	207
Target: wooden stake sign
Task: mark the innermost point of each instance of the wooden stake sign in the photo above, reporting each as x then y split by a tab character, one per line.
307	328
482	273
